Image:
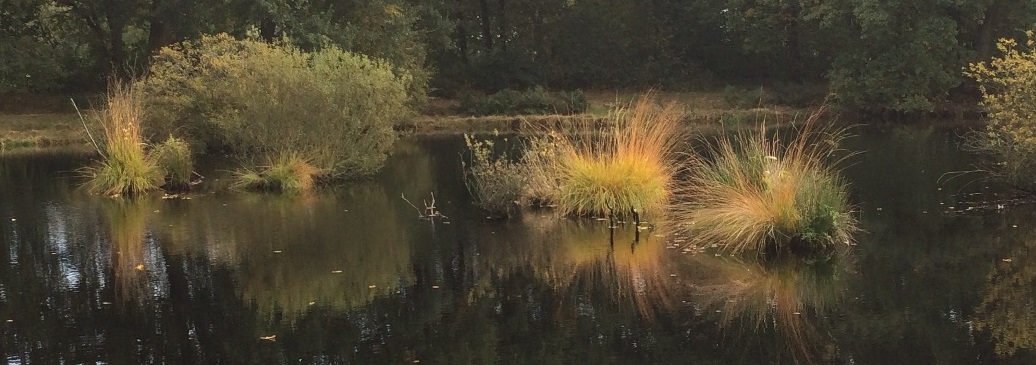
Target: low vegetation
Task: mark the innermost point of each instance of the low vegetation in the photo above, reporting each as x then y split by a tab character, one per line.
618	169
754	193
124	167
173	156
628	168
290	172
1008	85
496	182
529	102
255	98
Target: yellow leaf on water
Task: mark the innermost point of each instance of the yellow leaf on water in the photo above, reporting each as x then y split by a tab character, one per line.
140	267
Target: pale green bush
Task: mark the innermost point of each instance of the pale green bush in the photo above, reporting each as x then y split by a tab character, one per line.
1008	85
256	98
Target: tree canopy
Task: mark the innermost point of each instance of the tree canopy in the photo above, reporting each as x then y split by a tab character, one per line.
876	55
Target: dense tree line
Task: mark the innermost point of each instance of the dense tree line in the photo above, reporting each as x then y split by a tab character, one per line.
899	55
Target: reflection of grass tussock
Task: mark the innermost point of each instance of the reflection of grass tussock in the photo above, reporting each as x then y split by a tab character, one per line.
753	192
784	294
580	255
126	220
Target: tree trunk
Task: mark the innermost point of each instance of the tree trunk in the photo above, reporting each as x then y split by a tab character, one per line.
160	32
117	50
505	30
267	29
987	35
462	33
487	28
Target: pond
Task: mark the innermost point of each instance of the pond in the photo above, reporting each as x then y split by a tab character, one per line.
944	272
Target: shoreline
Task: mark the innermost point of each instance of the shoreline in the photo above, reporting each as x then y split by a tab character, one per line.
55	130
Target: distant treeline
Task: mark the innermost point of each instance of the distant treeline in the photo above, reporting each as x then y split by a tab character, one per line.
878	55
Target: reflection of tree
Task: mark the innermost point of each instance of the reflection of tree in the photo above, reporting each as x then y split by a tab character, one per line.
1008	309
785	295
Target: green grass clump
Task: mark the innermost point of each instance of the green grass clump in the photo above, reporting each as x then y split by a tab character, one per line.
174	157
628	167
290	172
124	167
751	193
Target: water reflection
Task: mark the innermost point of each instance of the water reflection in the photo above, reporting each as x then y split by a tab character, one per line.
290	253
1008	307
789	298
623	264
126	221
200	280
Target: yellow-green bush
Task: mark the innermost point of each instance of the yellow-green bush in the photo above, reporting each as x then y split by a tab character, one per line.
257	98
1008	85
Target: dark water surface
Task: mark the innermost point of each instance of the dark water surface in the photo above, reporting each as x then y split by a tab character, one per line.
940	275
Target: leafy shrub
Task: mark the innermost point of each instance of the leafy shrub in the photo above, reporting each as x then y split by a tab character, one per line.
496	182
257	98
752	193
529	102
1008	85
124	167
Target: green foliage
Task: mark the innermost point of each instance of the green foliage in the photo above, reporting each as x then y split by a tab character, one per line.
532	101
288	172
173	156
496	182
124	167
897	54
799	94
258	98
752	193
746	98
1008	85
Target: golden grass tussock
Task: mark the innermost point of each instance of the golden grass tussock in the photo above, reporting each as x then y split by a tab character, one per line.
288	172
751	192
124	168
616	170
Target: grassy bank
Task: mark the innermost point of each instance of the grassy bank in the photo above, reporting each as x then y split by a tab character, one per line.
40	130
51	127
